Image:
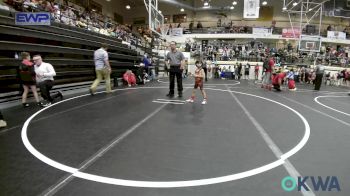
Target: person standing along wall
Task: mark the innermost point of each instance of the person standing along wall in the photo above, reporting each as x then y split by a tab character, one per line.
102	68
175	59
205	68
256	71
246	71
268	68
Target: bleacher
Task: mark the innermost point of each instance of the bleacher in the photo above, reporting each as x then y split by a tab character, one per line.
69	49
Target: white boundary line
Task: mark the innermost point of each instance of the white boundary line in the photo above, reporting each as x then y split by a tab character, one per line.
169	102
167	184
274	148
316	100
315	91
311	108
230	84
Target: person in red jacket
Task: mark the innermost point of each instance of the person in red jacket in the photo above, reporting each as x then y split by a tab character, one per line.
277	80
130	78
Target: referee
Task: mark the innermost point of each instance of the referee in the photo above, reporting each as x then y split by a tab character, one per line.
319	74
175	59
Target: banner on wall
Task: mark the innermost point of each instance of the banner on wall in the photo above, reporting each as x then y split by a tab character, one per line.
251	8
336	35
265	13
261	31
176	32
288	33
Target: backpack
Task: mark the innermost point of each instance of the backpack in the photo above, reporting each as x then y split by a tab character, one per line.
25	73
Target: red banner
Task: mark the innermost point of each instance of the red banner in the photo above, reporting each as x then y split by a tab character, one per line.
288	33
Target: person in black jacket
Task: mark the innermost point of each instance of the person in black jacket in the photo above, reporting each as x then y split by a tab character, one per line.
239	68
319	74
27	78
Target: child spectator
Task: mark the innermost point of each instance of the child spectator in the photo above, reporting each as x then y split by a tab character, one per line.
291	82
130	78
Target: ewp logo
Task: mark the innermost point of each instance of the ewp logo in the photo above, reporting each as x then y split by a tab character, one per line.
330	183
28	18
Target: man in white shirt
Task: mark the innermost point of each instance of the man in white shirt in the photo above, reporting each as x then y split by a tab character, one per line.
44	78
103	69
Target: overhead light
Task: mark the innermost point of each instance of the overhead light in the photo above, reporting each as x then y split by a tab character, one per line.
185	17
234	3
206	3
295	3
284	8
127	7
182	10
160	11
108	0
310	9
264	3
231	8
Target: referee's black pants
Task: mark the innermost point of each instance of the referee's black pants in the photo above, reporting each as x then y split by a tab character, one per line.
318	81
175	71
45	87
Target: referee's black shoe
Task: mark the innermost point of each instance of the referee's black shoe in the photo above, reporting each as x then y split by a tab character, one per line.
170	95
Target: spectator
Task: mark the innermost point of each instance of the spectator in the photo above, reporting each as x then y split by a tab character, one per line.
191	26
239	71
146	62
102	68
256	71
327	78
27	77
44	77
205	68
130	78
246	71
291	82
329	28
268	66
199	25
